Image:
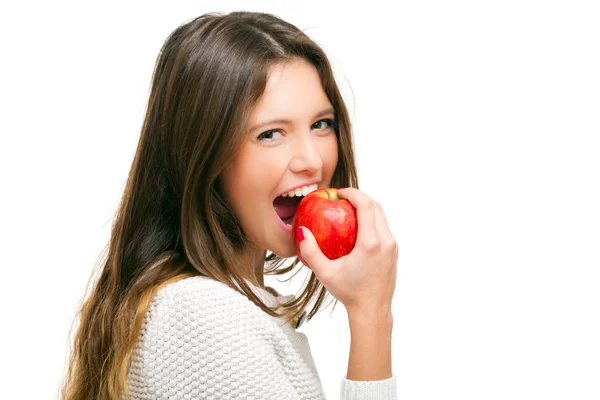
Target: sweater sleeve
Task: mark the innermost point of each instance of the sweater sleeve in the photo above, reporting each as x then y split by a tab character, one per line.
369	390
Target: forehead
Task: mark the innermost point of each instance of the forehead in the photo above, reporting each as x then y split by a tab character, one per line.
293	91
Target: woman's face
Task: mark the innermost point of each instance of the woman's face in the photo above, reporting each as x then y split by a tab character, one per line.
290	143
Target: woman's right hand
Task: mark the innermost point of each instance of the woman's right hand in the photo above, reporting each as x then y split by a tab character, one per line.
364	280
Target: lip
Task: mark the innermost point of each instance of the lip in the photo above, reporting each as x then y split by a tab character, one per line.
299	186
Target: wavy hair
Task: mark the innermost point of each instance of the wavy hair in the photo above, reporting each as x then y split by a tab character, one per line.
173	221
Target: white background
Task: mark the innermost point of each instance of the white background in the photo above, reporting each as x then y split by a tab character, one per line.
477	129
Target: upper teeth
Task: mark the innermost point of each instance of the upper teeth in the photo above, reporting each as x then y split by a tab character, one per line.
301	191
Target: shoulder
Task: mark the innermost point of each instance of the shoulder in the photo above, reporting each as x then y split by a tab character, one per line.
189	323
202	339
196	288
194	301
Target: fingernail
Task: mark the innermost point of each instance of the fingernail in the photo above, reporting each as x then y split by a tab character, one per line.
299	234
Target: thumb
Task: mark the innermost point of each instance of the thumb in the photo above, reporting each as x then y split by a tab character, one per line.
308	250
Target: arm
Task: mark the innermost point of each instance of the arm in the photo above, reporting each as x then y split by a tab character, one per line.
370	347
369	374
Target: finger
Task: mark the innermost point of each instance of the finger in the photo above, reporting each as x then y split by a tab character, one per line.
309	251
365	215
380	219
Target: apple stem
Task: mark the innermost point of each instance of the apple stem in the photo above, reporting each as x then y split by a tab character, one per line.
331	194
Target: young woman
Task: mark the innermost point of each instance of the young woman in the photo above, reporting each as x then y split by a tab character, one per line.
243	111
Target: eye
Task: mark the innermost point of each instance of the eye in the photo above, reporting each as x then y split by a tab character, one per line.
329	124
268	135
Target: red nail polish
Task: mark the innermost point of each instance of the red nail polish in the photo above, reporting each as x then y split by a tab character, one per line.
299	234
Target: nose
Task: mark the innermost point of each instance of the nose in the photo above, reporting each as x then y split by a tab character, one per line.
306	154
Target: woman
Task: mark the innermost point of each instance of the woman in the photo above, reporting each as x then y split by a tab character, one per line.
243	109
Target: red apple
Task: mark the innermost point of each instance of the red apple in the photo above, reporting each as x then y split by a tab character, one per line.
331	219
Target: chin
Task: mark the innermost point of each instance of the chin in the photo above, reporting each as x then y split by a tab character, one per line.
285	253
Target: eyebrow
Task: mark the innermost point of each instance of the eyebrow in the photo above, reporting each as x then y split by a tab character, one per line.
287	121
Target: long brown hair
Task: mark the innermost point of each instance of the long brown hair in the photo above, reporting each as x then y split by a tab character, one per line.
173	222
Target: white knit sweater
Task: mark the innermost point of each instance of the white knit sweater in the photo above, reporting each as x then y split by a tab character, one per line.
200	339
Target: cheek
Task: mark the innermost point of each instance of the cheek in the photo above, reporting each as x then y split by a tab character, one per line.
262	170
331	155
251	167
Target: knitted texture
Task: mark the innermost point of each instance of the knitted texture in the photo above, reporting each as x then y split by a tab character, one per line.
200	339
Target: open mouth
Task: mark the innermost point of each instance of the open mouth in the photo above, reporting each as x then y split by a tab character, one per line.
286	204
285	207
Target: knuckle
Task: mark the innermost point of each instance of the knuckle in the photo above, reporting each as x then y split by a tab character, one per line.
372	245
366	204
348	193
391	244
326	275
